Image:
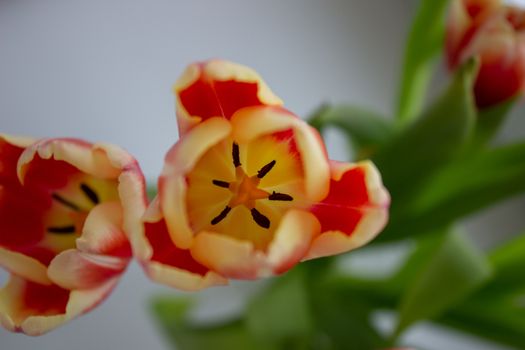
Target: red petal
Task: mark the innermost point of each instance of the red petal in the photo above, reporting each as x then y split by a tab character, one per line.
342	209
44	300
288	136
21	215
21	209
9	155
165	252
72	269
499	81
48	173
210	98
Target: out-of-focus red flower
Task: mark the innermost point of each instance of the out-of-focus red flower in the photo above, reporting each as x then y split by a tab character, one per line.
66	209
248	190
496	34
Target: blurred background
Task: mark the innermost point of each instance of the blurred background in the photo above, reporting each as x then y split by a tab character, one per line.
103	71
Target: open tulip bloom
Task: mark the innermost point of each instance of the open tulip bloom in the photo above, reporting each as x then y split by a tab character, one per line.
248	190
66	209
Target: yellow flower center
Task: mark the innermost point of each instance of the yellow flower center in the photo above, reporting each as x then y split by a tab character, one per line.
71	206
243	190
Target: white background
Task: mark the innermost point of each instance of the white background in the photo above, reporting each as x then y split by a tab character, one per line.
103	70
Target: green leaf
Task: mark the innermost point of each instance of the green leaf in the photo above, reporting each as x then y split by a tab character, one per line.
170	310
489	122
343	320
151	191
282	312
171	314
425	43
365	130
497	312
499	320
466	186
431	141
449	273
509	265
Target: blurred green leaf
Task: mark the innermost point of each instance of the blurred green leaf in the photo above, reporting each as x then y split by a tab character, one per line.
431	141
343	321
448	273
282	312
497	312
499	320
425	42
466	186
151	191
171	314
424	248
171	310
365	130
508	261
489	122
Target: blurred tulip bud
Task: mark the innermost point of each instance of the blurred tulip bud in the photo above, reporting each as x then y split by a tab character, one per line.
494	33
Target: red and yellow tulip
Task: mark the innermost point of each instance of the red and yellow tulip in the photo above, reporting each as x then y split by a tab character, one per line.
248	190
496	35
66	210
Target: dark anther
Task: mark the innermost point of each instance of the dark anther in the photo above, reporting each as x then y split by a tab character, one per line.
61	229
260	219
235	155
88	191
65	202
275	196
221	183
265	169
221	216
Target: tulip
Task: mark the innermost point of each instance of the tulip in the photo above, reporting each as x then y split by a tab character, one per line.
496	35
66	209
248	190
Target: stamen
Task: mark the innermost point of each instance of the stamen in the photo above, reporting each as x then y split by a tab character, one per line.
265	169
61	229
220	183
235	155
260	219
221	216
275	196
88	191
65	202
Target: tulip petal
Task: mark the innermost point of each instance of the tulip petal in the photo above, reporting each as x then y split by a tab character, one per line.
21	299
230	257
73	269
181	158
353	213
218	88
25	266
251	123
239	259
36	309
164	262
103	161
102	232
464	20
292	240
21	209
502	52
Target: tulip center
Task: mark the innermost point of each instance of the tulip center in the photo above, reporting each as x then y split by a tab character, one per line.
242	190
71	205
245	191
